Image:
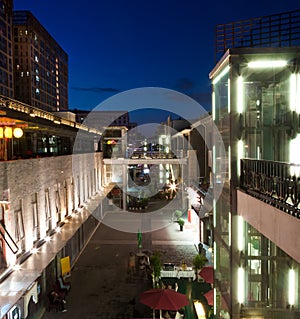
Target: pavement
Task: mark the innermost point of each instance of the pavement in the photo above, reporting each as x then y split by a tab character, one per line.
103	288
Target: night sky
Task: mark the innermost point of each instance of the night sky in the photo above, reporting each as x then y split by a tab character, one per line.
119	45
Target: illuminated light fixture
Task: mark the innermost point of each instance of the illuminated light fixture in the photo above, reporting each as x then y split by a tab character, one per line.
199	309
1	132
240	94
47	238
57	229
294	157
241	285
267	64
219	77
18	132
173	187
213	99
8	132
228	94
56	121
295	92
16	267
34	250
240	234
32	114
292	286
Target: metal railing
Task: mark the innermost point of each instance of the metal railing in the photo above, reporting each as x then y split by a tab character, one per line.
277	30
276	183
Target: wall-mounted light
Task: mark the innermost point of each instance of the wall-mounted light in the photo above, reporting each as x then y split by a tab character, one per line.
292	286
18	132
240	233
240	94
8	133
241	285
219	77
267	64
199	309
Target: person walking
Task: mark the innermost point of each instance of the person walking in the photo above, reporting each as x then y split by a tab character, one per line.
131	264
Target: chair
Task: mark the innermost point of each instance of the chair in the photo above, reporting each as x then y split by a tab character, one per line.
51	305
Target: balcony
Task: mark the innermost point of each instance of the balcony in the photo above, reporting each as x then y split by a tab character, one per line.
268	199
275	183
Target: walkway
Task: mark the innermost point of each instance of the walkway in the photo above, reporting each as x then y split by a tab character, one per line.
101	286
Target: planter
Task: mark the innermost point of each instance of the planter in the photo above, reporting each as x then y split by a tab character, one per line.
180	222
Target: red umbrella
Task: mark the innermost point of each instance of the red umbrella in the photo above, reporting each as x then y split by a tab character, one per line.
210	297
207	273
166	299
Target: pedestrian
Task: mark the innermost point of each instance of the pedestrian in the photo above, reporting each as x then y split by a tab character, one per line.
56	299
131	263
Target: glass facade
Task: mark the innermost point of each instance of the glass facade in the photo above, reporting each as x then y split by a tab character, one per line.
256	95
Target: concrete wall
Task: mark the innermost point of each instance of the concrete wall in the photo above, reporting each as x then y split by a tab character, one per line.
281	228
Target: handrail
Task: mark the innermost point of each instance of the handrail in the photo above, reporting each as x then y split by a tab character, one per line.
277	183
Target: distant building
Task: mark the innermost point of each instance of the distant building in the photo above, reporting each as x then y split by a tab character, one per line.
100	119
40	65
6	65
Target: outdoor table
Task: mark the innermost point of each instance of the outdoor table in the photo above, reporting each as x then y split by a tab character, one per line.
179	273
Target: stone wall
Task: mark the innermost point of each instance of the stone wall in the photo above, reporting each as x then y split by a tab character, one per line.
43	192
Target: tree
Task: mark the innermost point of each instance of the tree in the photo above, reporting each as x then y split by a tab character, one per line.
155	262
199	262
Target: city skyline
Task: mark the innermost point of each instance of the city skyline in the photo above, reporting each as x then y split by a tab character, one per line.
119	45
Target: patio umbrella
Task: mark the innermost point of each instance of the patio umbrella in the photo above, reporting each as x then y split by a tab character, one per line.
163	299
207	273
209	297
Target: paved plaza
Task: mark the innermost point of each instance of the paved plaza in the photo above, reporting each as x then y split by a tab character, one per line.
101	284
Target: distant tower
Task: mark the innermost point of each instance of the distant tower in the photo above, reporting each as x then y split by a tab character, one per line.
40	65
6	66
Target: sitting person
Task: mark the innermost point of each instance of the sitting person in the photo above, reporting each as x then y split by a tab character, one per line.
66	286
56	299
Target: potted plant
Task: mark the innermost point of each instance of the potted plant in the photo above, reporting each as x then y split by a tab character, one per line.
178	213
156	265
199	262
181	222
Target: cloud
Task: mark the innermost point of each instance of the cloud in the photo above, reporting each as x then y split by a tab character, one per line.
95	89
184	84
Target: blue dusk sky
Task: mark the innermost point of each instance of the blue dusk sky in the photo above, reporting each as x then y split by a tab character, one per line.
119	45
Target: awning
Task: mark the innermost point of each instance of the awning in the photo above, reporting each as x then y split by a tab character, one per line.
32	292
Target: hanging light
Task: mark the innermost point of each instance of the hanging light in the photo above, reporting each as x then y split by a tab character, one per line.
18	132
1	132
8	132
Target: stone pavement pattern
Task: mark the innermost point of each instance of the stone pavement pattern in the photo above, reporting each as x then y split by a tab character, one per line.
101	285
